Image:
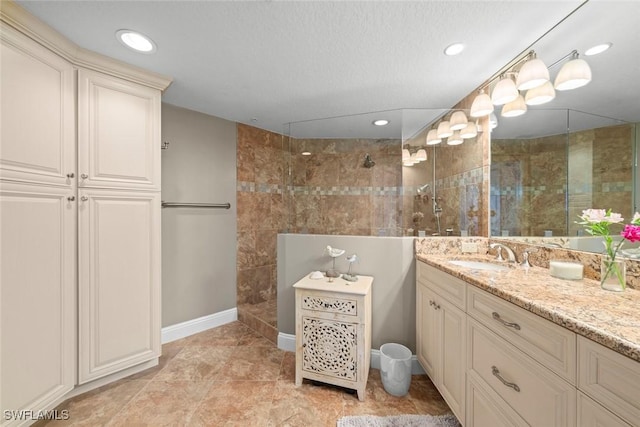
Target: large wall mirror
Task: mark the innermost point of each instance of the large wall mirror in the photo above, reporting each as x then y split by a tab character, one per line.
579	150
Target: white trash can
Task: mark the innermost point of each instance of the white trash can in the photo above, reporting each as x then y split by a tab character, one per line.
395	368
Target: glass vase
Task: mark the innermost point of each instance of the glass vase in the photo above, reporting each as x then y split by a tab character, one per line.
613	274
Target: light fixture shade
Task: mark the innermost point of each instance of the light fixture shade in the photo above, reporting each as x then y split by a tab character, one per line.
514	108
455	139
421	155
444	130
408	163
540	95
405	155
414	158
432	137
458	120
504	92
574	74
532	74
493	121
482	105
470	131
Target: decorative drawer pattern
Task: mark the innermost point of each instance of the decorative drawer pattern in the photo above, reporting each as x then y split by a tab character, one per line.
549	344
329	348
330	305
520	380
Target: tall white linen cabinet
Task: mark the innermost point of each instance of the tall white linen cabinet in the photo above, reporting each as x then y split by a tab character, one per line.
79	217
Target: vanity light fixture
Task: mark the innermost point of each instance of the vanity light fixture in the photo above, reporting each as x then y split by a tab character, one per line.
573	74
414	158
470	131
444	130
505	91
540	95
305	153
514	108
136	41
533	73
421	155
481	106
454	49
381	122
432	137
455	139
597	49
406	155
458	120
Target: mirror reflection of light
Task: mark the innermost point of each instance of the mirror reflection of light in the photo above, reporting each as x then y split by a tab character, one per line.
598	49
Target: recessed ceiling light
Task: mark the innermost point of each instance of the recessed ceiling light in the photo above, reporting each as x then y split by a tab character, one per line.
381	122
453	49
136	41
598	49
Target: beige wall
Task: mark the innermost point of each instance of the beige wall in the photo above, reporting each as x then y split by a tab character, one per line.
198	245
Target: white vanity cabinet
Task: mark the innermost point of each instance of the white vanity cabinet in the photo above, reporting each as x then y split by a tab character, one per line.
333	331
521	369
441	333
80	223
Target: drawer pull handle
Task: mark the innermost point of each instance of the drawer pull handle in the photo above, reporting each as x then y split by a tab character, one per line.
496	373
497	317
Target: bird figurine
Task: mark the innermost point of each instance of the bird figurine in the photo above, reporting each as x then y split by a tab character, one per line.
333	253
348	276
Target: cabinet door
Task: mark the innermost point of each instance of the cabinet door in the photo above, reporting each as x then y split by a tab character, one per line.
37	119
426	331
592	414
37	285
485	408
118	133
119	280
452	338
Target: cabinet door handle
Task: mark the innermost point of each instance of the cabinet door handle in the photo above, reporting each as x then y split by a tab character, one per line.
496	373
71	175
71	198
84	198
84	176
497	317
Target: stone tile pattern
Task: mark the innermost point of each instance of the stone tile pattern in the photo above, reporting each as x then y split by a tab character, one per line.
530	178
232	376
333	193
609	318
262	214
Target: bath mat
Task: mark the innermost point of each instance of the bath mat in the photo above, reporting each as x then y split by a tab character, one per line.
399	421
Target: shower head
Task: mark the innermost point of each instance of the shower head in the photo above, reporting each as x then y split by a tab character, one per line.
423	189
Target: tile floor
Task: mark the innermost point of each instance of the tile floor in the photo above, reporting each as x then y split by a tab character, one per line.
232	376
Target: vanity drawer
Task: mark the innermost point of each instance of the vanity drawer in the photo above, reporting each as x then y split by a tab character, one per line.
550	344
539	396
450	288
610	378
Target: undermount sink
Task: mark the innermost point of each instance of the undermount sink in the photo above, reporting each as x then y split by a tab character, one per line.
478	265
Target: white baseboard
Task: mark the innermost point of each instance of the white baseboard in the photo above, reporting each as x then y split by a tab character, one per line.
190	327
287	342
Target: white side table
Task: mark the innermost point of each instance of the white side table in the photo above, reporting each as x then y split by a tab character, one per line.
333	331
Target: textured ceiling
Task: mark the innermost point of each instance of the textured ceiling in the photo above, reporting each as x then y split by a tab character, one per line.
270	63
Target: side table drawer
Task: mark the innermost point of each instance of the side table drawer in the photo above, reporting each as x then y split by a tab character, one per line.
550	344
328	304
524	384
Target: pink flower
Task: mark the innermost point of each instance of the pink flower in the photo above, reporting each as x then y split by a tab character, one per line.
631	233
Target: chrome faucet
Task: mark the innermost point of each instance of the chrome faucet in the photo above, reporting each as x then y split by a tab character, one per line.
511	257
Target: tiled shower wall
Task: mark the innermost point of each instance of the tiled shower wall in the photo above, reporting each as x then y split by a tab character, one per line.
332	192
534	179
262	214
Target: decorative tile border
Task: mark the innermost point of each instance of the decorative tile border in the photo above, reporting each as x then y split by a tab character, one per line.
317	190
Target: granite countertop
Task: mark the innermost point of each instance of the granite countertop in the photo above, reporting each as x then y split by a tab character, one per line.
608	318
